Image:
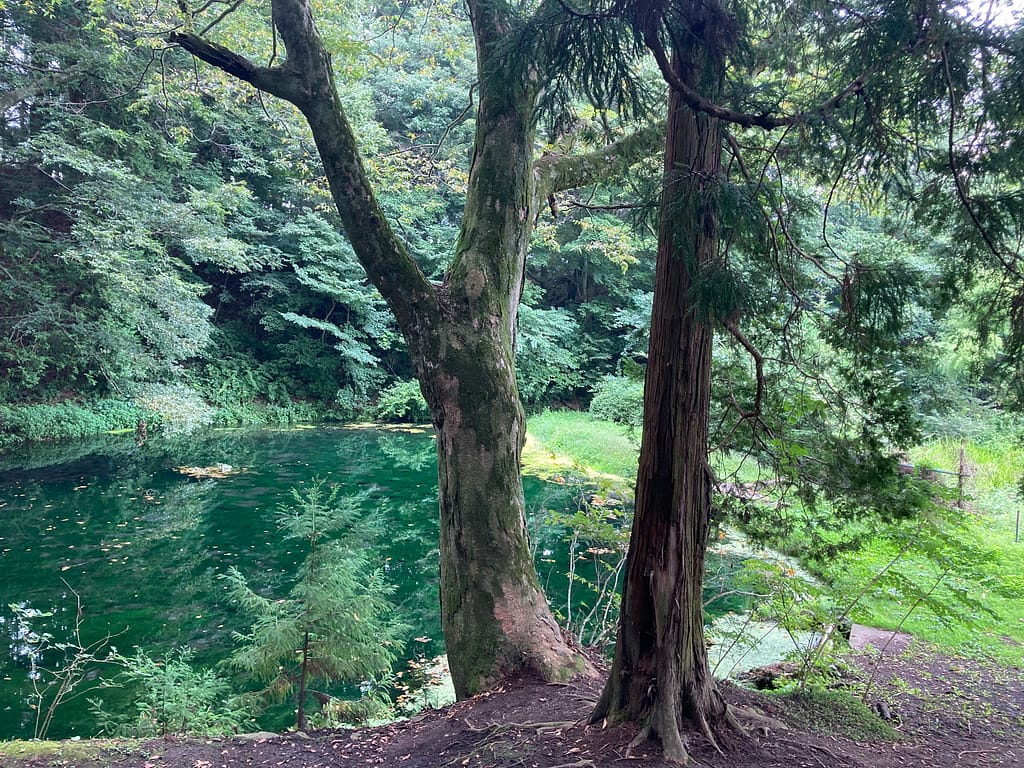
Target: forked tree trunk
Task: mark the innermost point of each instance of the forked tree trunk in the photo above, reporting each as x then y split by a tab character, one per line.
494	614
461	332
660	674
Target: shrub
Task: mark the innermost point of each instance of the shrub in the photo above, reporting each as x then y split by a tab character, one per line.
255	414
119	414
619	399
62	421
180	408
402	402
172	697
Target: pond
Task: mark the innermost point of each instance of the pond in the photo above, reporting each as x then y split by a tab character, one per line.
117	534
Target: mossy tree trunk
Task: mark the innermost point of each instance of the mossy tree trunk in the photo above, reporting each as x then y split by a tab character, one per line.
461	332
494	614
660	674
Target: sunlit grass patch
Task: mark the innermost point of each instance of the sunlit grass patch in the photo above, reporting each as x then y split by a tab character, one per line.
564	441
958	585
954	580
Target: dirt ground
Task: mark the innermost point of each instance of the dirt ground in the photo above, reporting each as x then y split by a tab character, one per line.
945	712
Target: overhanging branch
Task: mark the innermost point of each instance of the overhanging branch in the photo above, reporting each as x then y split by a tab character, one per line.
274	80
557	173
699	103
305	79
958	183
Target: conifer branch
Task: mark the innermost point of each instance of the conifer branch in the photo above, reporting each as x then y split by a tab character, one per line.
699	103
958	183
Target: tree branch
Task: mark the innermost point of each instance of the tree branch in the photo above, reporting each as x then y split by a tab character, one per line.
958	183
553	172
755	413
699	103
274	80
306	80
15	96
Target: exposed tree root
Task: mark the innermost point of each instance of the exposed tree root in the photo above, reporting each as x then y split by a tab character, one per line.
705	728
643	735
763	722
496	728
665	729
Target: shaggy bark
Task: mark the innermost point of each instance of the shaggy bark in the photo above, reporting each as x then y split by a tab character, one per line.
660	673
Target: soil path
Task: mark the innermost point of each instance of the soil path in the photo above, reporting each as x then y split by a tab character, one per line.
944	712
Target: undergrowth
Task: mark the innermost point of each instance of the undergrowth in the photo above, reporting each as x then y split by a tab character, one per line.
951	577
838	713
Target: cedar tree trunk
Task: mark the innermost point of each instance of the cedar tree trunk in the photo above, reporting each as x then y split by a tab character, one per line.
660	672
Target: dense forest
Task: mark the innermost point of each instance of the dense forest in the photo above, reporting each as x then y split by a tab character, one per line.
788	235
169	247
170	250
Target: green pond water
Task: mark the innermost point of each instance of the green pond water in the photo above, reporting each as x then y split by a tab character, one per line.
142	545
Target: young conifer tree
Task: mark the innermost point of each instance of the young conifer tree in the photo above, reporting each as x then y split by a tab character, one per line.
337	624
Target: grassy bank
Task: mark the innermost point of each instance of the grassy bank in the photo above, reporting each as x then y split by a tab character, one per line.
954	579
572	441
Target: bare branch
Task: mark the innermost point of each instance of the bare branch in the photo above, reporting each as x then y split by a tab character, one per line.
456	122
755	413
612	207
278	81
223	14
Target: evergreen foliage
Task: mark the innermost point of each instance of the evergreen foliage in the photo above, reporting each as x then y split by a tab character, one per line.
336	624
171	698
